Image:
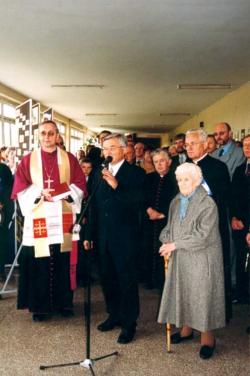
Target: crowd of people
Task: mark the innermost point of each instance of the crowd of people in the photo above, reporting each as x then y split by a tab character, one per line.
186	206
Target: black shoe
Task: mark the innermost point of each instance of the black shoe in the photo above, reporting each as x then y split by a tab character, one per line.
108	324
177	338
127	335
67	312
207	352
39	317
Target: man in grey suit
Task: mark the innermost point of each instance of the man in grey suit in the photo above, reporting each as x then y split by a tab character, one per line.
227	152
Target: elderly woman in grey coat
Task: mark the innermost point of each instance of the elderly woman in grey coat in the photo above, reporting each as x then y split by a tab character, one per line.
193	294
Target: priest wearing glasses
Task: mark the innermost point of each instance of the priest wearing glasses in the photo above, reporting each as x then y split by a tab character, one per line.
49	186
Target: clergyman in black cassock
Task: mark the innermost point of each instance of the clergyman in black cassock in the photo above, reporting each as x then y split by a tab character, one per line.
161	188
239	211
217	182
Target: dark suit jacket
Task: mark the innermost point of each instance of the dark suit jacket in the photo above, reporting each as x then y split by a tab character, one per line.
6	183
175	162
115	212
240	196
217	177
168	191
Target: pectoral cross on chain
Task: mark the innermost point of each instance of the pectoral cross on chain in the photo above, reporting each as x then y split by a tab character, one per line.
49	181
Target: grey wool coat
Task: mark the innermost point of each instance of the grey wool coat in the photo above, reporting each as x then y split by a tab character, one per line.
193	293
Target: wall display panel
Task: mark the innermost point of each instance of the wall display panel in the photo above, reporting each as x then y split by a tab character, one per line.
24	126
48	114
35	123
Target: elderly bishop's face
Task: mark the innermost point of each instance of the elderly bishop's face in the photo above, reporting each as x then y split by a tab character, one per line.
187	183
195	147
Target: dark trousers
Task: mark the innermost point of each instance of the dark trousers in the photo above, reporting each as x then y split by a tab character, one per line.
153	262
120	288
44	282
3	247
242	276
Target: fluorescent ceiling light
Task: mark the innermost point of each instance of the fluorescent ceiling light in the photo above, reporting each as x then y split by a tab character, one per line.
101	114
175	114
203	86
78	86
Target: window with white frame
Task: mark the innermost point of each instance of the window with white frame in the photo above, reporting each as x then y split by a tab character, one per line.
8	128
76	140
61	128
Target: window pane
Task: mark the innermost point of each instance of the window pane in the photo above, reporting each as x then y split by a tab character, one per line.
6	134
62	128
9	111
1	134
72	145
14	134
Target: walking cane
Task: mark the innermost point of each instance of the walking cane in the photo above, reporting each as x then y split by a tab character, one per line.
168	325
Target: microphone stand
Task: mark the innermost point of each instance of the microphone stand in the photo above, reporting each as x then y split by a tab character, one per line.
88	362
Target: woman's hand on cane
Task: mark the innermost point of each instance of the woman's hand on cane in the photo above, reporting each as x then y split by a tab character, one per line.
166	249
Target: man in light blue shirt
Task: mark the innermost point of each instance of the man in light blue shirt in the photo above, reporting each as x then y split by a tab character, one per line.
227	152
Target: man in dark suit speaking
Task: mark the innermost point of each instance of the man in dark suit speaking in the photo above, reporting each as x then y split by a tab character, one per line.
114	222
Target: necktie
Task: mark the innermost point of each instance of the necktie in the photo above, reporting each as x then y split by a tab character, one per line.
182	158
247	172
138	163
221	152
111	170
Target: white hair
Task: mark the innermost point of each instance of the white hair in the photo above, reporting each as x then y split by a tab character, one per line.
201	133
118	136
190	169
162	152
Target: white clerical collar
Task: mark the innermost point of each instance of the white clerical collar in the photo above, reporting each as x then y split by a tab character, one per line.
200	159
113	168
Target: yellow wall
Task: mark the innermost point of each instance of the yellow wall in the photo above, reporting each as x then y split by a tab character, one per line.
165	141
234	109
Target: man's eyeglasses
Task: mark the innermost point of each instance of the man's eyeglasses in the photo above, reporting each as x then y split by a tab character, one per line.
49	134
112	148
219	133
192	144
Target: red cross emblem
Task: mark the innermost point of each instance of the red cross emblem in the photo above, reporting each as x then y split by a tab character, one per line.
40	229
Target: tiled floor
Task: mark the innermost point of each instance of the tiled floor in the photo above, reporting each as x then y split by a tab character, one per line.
25	345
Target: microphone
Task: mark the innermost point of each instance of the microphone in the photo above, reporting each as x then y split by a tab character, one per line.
107	161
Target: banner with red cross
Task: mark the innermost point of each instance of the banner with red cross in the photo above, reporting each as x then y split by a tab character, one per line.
40	228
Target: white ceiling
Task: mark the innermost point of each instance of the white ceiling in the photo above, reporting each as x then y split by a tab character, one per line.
139	50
